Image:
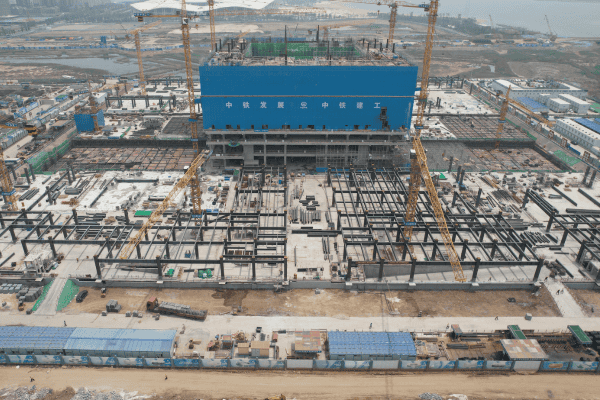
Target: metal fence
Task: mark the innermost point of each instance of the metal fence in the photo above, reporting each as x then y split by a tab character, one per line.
251	363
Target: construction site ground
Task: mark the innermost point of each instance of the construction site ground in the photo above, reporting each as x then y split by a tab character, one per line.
68	382
332	303
588	300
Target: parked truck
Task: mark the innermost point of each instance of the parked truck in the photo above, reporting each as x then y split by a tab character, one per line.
181	310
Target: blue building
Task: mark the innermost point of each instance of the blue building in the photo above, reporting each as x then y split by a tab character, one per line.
322	106
307	97
27	340
85	121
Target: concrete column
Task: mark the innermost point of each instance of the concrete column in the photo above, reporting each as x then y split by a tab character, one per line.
27	176
167	248
450	166
52	247
538	269
14	174
139	251
564	237
435	249
587	172
253	268
381	263
108	249
196	251
592	179
126	215
75	216
350	265
478	197
413	267
97	264
24	244
11	229
550	221
494	247
159	267
285	268
375	240
476	269
582	251
464	249
222	267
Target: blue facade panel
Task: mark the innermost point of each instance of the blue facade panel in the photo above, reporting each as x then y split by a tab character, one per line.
85	122
336	97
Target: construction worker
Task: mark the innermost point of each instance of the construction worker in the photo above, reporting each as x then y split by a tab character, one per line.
65	322
165	377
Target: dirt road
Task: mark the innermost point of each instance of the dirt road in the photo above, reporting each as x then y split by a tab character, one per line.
190	385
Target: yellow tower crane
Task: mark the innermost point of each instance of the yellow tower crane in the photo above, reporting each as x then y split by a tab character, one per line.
186	179
393	11
552	34
228	13
195	193
327	28
138	49
502	120
8	190
419	169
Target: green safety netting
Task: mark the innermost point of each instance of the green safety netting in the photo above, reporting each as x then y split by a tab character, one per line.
42	297
67	295
298	50
566	158
37	162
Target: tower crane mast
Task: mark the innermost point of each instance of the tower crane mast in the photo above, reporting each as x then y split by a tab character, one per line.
393	11
502	120
138	49
185	180
419	169
194	182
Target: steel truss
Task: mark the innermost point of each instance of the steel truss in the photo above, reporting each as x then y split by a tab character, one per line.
242	236
371	205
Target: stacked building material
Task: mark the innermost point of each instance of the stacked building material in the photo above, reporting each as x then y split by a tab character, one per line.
113	306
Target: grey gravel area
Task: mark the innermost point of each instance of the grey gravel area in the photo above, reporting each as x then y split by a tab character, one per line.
430	396
33	393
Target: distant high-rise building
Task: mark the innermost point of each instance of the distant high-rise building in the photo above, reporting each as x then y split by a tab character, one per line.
4	7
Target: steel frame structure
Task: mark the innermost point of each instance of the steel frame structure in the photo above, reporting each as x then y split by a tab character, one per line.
371	205
582	226
248	236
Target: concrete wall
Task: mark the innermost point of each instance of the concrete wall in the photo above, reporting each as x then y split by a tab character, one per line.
312	285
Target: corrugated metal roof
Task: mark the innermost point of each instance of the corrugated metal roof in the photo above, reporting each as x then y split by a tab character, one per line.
109	341
371	343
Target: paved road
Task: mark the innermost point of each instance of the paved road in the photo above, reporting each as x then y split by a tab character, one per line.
48	306
566	303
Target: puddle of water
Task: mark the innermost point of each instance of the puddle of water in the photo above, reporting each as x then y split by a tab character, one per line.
107	64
